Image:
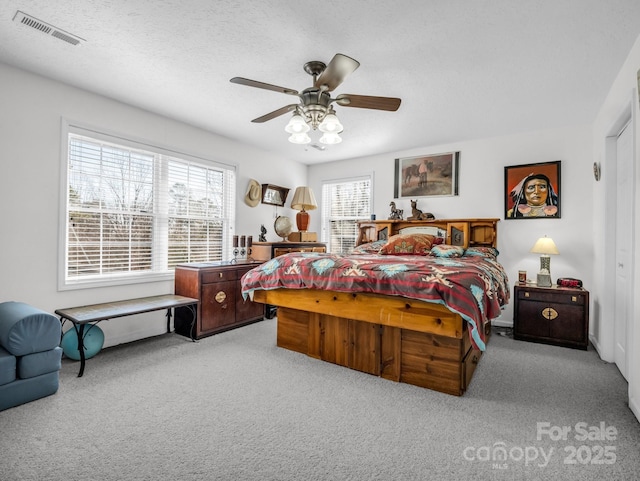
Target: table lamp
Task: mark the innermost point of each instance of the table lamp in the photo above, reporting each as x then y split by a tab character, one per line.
544	246
303	200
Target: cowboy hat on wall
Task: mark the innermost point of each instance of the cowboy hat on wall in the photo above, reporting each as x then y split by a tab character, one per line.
254	193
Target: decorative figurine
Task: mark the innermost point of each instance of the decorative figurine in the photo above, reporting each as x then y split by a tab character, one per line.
396	214
263	234
417	214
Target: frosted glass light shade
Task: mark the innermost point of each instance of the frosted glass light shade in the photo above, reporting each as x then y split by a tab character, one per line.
330	124
297	125
302	138
330	138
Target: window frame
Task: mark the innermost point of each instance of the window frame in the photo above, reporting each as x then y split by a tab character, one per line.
326	219
156	274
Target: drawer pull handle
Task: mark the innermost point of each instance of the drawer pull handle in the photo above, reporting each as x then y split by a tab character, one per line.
549	313
220	297
526	294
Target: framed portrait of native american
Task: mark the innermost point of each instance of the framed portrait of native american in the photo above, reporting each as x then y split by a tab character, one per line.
427	175
532	191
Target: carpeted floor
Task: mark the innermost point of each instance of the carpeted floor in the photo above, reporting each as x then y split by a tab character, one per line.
236	407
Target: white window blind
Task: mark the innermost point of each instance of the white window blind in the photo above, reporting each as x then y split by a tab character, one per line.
134	210
344	202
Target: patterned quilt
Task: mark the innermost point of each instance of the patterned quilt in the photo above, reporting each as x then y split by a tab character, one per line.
473	285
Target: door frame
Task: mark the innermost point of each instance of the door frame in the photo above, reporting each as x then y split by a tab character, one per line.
607	344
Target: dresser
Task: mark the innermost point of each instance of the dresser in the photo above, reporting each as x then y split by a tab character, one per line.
217	286
551	315
264	251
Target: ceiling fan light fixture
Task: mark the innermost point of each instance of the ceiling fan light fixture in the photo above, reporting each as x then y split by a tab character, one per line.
330	138
300	138
314	110
297	125
330	124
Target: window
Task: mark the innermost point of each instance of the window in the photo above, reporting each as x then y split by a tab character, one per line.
344	202
133	211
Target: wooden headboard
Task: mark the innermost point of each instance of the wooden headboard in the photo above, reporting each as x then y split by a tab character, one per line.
459	232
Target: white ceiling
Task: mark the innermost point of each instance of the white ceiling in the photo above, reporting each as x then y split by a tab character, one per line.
464	69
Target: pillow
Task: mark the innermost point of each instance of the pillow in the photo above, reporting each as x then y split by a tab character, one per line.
446	250
488	252
408	244
369	248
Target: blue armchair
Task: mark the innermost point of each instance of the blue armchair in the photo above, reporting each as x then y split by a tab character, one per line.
30	356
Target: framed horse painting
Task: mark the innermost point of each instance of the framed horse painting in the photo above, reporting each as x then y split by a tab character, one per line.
427	175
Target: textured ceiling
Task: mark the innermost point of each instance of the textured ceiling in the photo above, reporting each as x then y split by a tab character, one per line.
464	69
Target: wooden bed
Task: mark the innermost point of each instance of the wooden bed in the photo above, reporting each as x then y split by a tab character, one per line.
397	338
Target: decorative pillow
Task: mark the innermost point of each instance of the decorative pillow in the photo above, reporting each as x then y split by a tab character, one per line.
446	250
369	248
488	252
408	244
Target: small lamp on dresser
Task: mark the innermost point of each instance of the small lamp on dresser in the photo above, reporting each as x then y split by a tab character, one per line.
544	246
303	200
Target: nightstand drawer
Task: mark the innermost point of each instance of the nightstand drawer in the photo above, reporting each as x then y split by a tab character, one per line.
218	276
577	297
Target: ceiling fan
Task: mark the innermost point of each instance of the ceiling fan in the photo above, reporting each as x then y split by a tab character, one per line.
315	109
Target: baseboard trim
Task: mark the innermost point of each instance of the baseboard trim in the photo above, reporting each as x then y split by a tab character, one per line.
597	347
635	407
501	323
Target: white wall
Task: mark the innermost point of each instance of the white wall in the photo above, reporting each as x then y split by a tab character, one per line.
30	138
622	97
481	190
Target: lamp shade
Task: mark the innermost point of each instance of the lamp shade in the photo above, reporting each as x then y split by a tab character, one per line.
303	199
544	245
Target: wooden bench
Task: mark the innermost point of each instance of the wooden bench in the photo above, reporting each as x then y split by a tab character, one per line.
94	313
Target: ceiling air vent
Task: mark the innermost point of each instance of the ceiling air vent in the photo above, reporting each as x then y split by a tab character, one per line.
44	27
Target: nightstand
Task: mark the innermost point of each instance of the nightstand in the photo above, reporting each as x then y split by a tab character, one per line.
551	315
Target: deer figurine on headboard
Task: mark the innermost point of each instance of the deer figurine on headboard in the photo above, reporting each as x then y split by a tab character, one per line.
417	214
